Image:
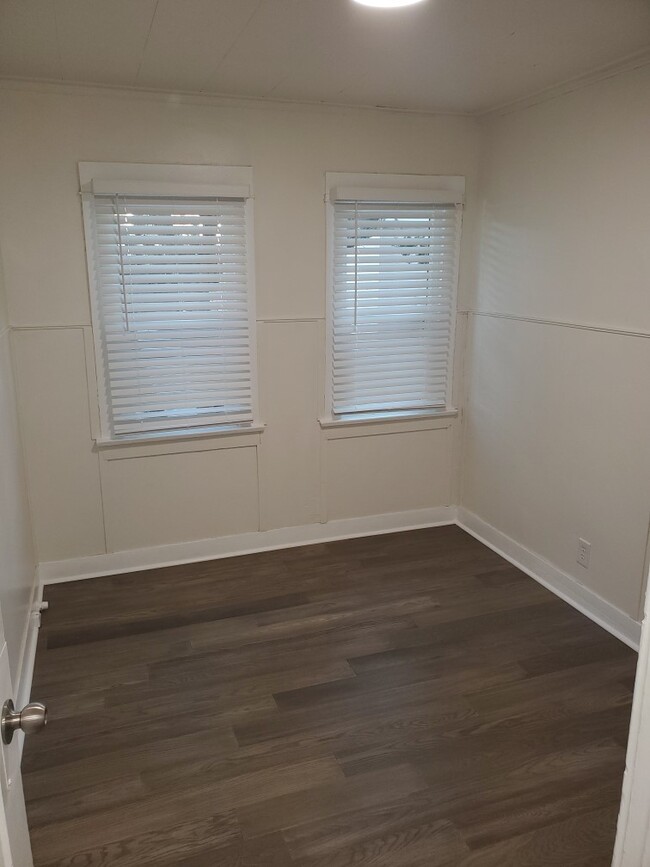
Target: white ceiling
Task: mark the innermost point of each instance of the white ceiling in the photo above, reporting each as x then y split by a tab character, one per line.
443	55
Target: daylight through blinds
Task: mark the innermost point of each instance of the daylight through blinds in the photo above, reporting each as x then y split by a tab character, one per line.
173	307
394	282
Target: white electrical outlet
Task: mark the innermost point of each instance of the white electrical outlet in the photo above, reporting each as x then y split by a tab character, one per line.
584	553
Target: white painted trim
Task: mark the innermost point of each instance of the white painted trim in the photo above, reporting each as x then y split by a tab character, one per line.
193	97
251	256
561	583
379	417
376	186
55	572
209	438
580	326
636	60
451	350
166	179
632	847
329	301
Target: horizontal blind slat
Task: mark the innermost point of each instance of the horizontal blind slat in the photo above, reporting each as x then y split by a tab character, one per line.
394	281
172	299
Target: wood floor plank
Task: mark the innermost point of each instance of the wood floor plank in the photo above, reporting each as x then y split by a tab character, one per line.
498	820
206	797
411	845
334	799
582	841
46	781
161	848
269	851
396	701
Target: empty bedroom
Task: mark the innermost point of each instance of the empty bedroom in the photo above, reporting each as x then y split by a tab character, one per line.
324	433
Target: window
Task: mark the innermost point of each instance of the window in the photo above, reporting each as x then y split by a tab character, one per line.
171	279
393	276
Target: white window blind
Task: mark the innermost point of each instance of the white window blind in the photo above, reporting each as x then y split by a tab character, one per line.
173	311
394	275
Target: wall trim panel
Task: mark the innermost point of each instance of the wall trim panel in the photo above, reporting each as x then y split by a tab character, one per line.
559	323
136	560
611	618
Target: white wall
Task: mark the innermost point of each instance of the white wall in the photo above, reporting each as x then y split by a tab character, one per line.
87	503
557	409
558	403
17	562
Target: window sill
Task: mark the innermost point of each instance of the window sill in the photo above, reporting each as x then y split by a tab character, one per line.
363	419
189	436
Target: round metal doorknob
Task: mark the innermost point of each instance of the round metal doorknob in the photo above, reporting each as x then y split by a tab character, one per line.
32	718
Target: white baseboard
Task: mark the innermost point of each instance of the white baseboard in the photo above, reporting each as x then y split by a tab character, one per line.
561	583
55	572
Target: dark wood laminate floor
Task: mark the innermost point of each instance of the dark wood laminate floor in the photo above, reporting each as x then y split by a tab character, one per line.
393	701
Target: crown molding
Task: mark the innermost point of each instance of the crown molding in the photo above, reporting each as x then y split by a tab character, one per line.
188	97
638	60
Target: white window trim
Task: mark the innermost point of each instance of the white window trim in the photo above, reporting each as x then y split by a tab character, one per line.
169	179
165	178
352	419
446	189
224	430
371	186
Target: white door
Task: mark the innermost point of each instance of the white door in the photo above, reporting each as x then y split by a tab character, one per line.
633	839
15	848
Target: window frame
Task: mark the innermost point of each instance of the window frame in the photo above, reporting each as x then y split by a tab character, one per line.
389	189
167	180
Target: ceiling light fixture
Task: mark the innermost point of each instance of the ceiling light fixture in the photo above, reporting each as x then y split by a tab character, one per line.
388	4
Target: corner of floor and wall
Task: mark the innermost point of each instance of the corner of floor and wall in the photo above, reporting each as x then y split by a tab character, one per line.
556	416
549	447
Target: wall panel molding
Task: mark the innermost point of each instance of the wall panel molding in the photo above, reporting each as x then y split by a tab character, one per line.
580	326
